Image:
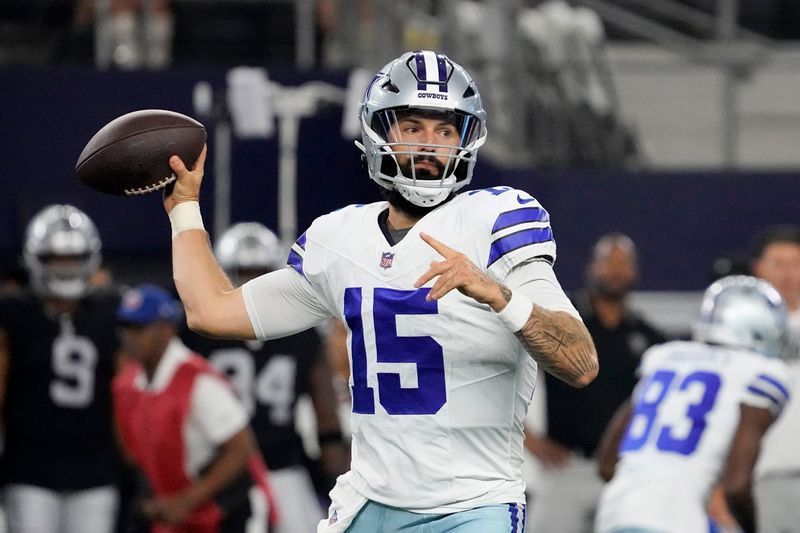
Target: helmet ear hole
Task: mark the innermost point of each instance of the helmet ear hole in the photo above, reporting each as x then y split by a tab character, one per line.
391	87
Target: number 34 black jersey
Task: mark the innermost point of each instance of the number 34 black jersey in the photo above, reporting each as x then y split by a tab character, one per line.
268	377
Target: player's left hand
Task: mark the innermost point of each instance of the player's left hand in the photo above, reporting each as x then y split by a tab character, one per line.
457	271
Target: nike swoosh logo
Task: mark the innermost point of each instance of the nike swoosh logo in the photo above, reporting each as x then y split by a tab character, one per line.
522	200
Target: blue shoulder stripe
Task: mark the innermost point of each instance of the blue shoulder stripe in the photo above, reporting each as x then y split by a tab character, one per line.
301	241
775	383
520	216
765	394
295	260
519	239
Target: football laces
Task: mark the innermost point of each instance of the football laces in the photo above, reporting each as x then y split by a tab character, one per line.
150	188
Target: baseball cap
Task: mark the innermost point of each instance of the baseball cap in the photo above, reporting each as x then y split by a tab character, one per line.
145	304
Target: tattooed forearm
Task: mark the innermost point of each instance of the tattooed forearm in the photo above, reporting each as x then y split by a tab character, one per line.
561	345
506	292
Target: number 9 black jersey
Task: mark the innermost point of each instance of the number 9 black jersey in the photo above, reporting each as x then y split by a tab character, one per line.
57	414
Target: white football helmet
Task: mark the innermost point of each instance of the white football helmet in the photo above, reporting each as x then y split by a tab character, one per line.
431	85
61	251
743	312
248	247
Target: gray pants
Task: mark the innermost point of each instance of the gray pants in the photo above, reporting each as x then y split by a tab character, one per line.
778	503
566	499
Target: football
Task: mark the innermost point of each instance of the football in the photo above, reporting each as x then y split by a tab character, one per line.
129	156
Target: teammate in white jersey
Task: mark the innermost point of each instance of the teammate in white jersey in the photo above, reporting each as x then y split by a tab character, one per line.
450	302
697	416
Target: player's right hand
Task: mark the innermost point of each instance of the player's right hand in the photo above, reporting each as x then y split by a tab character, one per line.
187	187
457	271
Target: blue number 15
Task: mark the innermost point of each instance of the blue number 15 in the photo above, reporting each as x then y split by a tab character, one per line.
430	394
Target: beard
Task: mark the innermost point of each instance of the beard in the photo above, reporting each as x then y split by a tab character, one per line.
397	200
610	290
423	173
404	206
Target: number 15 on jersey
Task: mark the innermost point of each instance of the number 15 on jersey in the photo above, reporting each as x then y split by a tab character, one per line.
423	351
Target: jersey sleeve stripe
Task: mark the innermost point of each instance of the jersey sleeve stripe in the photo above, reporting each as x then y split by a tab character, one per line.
519	239
295	261
776	384
764	394
520	216
301	241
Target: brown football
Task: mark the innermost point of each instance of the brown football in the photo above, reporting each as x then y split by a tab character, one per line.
129	156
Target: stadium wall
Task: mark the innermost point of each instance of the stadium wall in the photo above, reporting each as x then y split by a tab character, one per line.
681	220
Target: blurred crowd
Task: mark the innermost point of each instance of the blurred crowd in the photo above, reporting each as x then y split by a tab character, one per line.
554	103
154	33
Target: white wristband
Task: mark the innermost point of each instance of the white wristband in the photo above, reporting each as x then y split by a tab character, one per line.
516	313
185	216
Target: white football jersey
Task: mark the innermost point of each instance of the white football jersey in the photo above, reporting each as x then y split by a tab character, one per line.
439	388
685	413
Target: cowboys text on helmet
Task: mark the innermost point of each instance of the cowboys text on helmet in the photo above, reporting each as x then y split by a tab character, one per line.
422	122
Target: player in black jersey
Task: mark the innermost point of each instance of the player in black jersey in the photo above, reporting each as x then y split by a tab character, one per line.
270	376
57	359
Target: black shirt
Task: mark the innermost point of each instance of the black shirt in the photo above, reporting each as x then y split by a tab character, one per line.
268	376
57	414
577	418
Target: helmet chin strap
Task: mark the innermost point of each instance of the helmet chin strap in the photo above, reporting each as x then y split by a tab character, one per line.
423	196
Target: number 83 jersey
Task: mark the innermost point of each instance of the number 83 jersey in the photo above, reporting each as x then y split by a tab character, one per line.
685	414
439	388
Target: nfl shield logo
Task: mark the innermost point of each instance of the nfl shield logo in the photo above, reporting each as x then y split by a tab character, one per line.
386	260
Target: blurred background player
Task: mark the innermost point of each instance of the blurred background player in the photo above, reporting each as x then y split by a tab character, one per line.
776	258
270	376
697	416
569	488
183	427
57	359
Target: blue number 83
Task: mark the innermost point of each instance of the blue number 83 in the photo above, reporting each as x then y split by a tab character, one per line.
645	412
431	393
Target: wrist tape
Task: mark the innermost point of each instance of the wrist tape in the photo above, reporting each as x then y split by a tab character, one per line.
516	313
185	216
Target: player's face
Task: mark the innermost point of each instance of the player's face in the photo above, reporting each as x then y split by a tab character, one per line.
415	133
614	272
65	266
780	265
66	276
146	343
